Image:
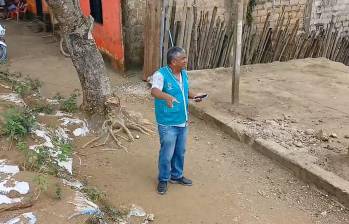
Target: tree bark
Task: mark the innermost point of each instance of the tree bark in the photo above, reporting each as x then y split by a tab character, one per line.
88	61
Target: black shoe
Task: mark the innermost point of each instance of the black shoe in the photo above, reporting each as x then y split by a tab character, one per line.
162	187
184	181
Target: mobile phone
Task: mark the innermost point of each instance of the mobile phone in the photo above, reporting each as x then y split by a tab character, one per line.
203	96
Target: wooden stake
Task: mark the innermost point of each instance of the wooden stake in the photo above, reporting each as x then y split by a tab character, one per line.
237	54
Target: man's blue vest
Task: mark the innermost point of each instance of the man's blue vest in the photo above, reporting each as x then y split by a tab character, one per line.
178	114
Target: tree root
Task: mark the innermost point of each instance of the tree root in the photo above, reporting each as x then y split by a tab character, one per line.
120	120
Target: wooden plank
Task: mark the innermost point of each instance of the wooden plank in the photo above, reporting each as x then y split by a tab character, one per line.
173	18
147	40
328	36
219	52
181	31
214	42
203	37
194	40
176	29
237	55
189	29
152	37
168	13
214	54
227	46
164	9
208	37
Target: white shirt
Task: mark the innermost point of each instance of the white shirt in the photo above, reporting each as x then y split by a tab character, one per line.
157	81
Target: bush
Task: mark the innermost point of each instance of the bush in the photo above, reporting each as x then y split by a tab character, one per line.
18	123
26	87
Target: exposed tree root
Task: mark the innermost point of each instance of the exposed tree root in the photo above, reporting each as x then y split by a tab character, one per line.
118	121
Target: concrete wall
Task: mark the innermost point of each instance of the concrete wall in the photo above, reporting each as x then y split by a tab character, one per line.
133	12
322	11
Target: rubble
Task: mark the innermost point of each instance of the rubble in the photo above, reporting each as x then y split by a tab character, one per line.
26	218
321	135
8	185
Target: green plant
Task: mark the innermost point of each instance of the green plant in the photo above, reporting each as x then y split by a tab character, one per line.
30	155
39	160
94	194
68	104
34	159
18	123
41	181
63	147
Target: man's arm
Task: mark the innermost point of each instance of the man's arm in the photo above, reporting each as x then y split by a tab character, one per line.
156	90
157	93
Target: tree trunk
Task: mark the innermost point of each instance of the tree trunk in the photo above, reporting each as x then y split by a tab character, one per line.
84	53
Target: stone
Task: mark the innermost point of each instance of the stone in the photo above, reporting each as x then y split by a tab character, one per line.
137	136
298	144
309	131
150	217
271	122
329	147
333	135
13	194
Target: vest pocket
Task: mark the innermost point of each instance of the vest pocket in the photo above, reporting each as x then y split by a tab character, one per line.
175	108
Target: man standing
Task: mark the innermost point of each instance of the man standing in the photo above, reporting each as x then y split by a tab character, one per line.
170	88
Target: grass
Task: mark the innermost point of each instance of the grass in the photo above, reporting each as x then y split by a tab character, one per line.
26	87
111	214
68	104
42	108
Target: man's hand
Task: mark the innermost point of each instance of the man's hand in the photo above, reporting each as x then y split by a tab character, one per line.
170	100
155	92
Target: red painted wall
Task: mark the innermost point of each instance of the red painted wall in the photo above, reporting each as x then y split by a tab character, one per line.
108	36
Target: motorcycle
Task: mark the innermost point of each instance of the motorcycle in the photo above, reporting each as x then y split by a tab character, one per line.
3	46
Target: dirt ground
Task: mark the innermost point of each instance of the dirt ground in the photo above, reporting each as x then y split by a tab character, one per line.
290	103
232	182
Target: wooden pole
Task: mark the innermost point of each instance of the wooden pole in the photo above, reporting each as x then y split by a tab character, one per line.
236	51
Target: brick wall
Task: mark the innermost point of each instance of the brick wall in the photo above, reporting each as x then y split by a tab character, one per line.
323	10
293	8
312	13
